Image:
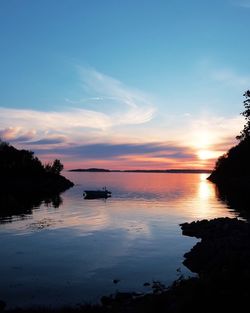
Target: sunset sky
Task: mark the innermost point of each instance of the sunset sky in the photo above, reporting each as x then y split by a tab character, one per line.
129	84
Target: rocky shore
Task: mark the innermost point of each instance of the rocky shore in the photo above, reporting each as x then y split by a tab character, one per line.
223	252
222	261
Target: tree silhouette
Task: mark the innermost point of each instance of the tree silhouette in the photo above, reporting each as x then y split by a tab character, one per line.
245	133
23	162
14	161
235	163
54	168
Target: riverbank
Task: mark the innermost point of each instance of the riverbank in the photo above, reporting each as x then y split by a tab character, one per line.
222	261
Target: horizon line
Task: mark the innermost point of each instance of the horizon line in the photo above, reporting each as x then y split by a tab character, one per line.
93	169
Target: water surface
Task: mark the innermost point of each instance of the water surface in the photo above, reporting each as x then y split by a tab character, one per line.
73	253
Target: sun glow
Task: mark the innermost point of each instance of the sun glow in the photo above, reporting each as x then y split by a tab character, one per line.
202	143
207	154
203	139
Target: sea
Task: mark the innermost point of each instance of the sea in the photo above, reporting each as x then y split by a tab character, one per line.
73	251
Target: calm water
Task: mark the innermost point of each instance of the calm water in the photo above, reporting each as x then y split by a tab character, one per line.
72	254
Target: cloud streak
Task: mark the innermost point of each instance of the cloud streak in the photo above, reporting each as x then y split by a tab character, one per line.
126	105
117	156
243	3
48	141
108	150
118	105
231	78
17	134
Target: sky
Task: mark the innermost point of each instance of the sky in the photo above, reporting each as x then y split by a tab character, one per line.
135	84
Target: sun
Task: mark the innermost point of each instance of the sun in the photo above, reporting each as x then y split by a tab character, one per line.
206	154
202	140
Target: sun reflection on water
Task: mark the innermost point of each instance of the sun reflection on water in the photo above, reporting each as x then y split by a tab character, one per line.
205	189
205	194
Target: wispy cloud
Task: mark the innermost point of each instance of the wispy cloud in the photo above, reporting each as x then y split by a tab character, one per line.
231	78
242	3
48	121
109	150
110	88
117	105
18	134
130	155
126	105
210	71
48	141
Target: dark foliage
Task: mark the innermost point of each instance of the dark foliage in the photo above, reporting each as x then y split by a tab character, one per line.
18	162
26	183
23	162
235	164
54	168
245	133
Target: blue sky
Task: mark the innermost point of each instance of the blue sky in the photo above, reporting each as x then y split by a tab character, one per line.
166	73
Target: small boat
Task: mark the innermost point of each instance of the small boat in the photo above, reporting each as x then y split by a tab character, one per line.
96	194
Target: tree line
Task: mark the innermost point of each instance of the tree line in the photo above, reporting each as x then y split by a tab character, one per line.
236	162
24	162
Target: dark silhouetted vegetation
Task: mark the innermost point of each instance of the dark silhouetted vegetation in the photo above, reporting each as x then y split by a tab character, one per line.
26	182
54	168
232	170
235	163
14	162
245	133
234	166
18	162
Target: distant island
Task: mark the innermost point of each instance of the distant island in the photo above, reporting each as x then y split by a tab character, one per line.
89	170
195	171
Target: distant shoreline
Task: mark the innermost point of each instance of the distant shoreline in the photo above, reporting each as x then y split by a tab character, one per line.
101	170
